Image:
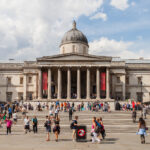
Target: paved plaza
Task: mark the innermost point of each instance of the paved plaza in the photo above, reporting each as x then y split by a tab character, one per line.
120	133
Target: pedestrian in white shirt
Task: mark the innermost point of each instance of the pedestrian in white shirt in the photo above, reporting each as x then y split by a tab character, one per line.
27	124
15	117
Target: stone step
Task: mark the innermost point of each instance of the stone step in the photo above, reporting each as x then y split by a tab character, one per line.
115	122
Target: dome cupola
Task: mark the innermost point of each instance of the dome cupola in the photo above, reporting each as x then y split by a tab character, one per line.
74	41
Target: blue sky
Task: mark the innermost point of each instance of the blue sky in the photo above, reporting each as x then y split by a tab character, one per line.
31	29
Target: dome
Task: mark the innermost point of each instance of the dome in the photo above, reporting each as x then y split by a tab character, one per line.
74	36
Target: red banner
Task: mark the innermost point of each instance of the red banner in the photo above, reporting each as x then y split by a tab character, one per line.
44	82
103	81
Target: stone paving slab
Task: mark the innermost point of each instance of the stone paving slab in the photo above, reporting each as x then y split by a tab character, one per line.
37	142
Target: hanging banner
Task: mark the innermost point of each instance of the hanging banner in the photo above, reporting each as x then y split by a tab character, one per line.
103	81
45	77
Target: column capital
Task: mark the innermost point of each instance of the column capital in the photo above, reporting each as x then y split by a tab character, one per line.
88	66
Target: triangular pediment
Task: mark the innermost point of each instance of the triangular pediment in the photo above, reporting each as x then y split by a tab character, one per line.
74	57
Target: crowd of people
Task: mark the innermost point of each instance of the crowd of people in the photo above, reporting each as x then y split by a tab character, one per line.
9	115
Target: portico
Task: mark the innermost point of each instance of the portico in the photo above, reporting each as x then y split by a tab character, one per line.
74	82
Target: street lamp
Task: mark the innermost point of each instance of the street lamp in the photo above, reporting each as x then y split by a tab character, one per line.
141	92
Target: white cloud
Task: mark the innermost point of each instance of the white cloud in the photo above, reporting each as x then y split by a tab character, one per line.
105	46
31	28
100	15
133	3
120	4
140	37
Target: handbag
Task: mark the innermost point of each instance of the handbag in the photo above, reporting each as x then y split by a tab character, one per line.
146	128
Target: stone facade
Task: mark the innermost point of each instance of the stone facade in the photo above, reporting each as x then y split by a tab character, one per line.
75	76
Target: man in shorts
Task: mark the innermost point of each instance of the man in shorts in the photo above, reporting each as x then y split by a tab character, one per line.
75	124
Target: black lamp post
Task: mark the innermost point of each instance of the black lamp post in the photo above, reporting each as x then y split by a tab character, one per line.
141	92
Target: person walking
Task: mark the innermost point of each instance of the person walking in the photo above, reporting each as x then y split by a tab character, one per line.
35	124
10	112
144	111
102	128
94	131
51	112
15	117
142	129
74	126
56	111
70	114
27	124
8	125
56	129
47	125
134	115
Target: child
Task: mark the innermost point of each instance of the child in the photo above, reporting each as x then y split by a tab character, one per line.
8	125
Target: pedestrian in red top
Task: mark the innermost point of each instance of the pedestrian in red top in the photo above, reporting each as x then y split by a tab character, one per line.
8	125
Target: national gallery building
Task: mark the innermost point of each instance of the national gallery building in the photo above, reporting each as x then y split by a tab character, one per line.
75	75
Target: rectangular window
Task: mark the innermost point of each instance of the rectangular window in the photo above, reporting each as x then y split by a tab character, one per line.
9	96
21	80
118	95
20	96
127	80
139	96
118	79
30	80
29	95
139	80
128	95
8	80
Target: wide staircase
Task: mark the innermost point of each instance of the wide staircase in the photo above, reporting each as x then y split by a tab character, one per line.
114	122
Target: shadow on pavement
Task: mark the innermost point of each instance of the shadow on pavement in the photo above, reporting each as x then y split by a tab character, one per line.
63	140
109	141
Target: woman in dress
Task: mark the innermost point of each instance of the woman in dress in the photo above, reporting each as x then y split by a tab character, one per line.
94	134
142	129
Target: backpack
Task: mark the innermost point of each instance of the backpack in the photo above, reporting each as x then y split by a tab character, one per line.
72	125
98	128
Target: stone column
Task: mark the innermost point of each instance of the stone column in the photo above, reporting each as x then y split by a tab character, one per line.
78	83
40	84
25	87
88	84
59	84
69	84
97	83
123	87
107	84
49	83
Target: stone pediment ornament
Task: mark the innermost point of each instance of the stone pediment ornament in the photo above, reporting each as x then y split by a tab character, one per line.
74	57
